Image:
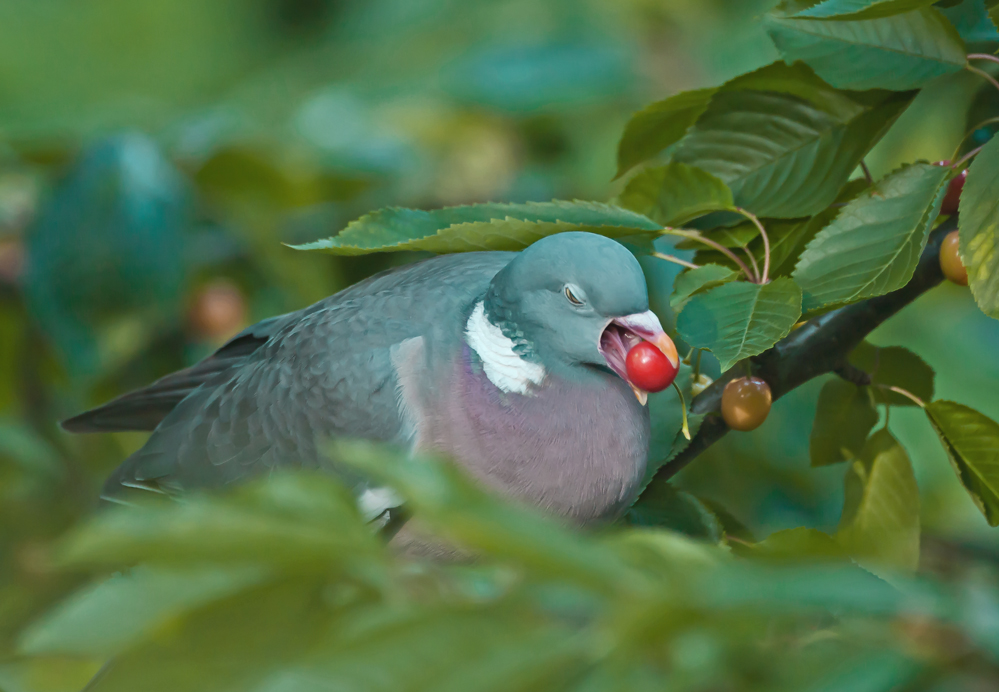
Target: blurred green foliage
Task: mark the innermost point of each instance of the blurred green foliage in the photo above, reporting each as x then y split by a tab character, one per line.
148	148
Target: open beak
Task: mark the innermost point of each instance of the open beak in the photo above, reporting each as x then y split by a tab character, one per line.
622	333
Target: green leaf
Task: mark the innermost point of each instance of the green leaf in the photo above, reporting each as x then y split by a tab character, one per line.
283	521
971	19
230	645
880	525
972	444
788	237
860	9
979	227
784	141
799	544
898	367
844	418
664	506
105	619
479	227
659	125
441	495
673	194
900	52
694	281
738	320
874	244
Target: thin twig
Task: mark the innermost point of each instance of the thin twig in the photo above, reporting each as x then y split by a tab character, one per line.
982	56
675	260
867	173
766	242
694	235
983	73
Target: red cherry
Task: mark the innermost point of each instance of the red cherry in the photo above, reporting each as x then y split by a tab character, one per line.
952	197
649	368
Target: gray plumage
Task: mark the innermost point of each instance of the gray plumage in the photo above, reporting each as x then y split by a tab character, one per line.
389	359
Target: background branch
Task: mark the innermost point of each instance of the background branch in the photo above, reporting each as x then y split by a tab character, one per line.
818	347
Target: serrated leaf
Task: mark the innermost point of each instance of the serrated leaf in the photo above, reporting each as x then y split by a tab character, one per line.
903	51
673	194
874	244
659	125
739	320
784	141
898	367
141	600
978	224
694	281
859	9
880	525
971	19
664	506
479	227
972	444
844	418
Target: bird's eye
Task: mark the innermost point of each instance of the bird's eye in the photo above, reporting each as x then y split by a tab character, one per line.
572	297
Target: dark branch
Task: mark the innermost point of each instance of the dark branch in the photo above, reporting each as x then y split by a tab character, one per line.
818	347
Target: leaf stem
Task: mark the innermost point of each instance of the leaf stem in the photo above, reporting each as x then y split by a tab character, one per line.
683	406
766	242
960	162
675	260
867	173
982	56
694	235
984	74
752	260
904	392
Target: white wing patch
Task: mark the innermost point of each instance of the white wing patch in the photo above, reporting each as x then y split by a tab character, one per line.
374	504
503	366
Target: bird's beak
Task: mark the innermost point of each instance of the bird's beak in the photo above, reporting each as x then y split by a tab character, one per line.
622	333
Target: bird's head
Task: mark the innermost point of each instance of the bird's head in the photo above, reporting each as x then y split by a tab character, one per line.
580	301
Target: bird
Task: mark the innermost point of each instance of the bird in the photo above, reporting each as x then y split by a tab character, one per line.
513	364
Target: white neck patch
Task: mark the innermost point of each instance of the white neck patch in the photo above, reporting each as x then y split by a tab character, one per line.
504	368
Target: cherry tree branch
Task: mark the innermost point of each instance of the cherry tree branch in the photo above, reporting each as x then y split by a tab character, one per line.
818	347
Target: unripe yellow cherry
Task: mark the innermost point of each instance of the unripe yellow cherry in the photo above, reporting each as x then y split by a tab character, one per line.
950	260
745	403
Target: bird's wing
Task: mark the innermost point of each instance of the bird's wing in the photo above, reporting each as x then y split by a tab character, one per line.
145	408
327	370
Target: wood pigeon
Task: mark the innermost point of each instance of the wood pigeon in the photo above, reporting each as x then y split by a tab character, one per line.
513	364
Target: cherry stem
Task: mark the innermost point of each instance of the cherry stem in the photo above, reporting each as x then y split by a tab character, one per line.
752	260
697	365
960	162
904	392
675	260
983	73
694	235
683	408
766	242
982	56
867	173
